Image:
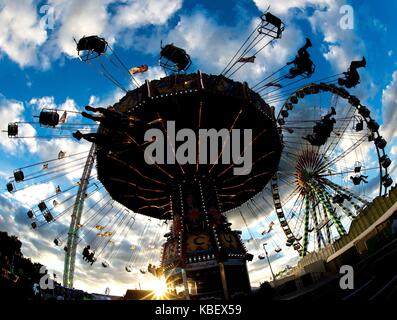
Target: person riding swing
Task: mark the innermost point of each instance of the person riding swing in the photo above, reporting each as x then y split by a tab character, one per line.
358	179
352	77
91	258
303	63
86	253
322	130
111	120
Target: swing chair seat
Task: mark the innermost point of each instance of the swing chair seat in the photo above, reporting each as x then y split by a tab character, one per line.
269	22
10	187
30	214
91	47
42	206
48	217
12	130
174	59
49	118
19	176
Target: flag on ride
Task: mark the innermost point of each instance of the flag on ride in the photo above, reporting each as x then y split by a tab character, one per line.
63	117
247	60
104	234
273	84
61	155
99	227
137	70
271	224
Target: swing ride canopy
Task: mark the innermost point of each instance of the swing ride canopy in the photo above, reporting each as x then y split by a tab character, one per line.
194	101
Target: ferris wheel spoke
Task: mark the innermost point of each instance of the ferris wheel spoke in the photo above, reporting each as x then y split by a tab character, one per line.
319	237
345	153
289	155
288	180
332	174
329	209
291	195
345	191
347	211
298	216
296	203
341	205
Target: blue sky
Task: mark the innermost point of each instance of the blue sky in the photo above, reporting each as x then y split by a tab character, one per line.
38	68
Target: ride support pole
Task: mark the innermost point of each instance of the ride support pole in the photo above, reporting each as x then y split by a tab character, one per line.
306	235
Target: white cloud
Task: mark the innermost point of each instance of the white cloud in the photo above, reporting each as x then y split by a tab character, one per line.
42	103
12	111
137	13
24	39
47	102
33	195
282	7
389	102
21	35
211	44
75	19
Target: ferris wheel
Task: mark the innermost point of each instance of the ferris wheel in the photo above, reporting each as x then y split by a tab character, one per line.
328	172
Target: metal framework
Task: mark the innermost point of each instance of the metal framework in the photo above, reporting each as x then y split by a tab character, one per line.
71	245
